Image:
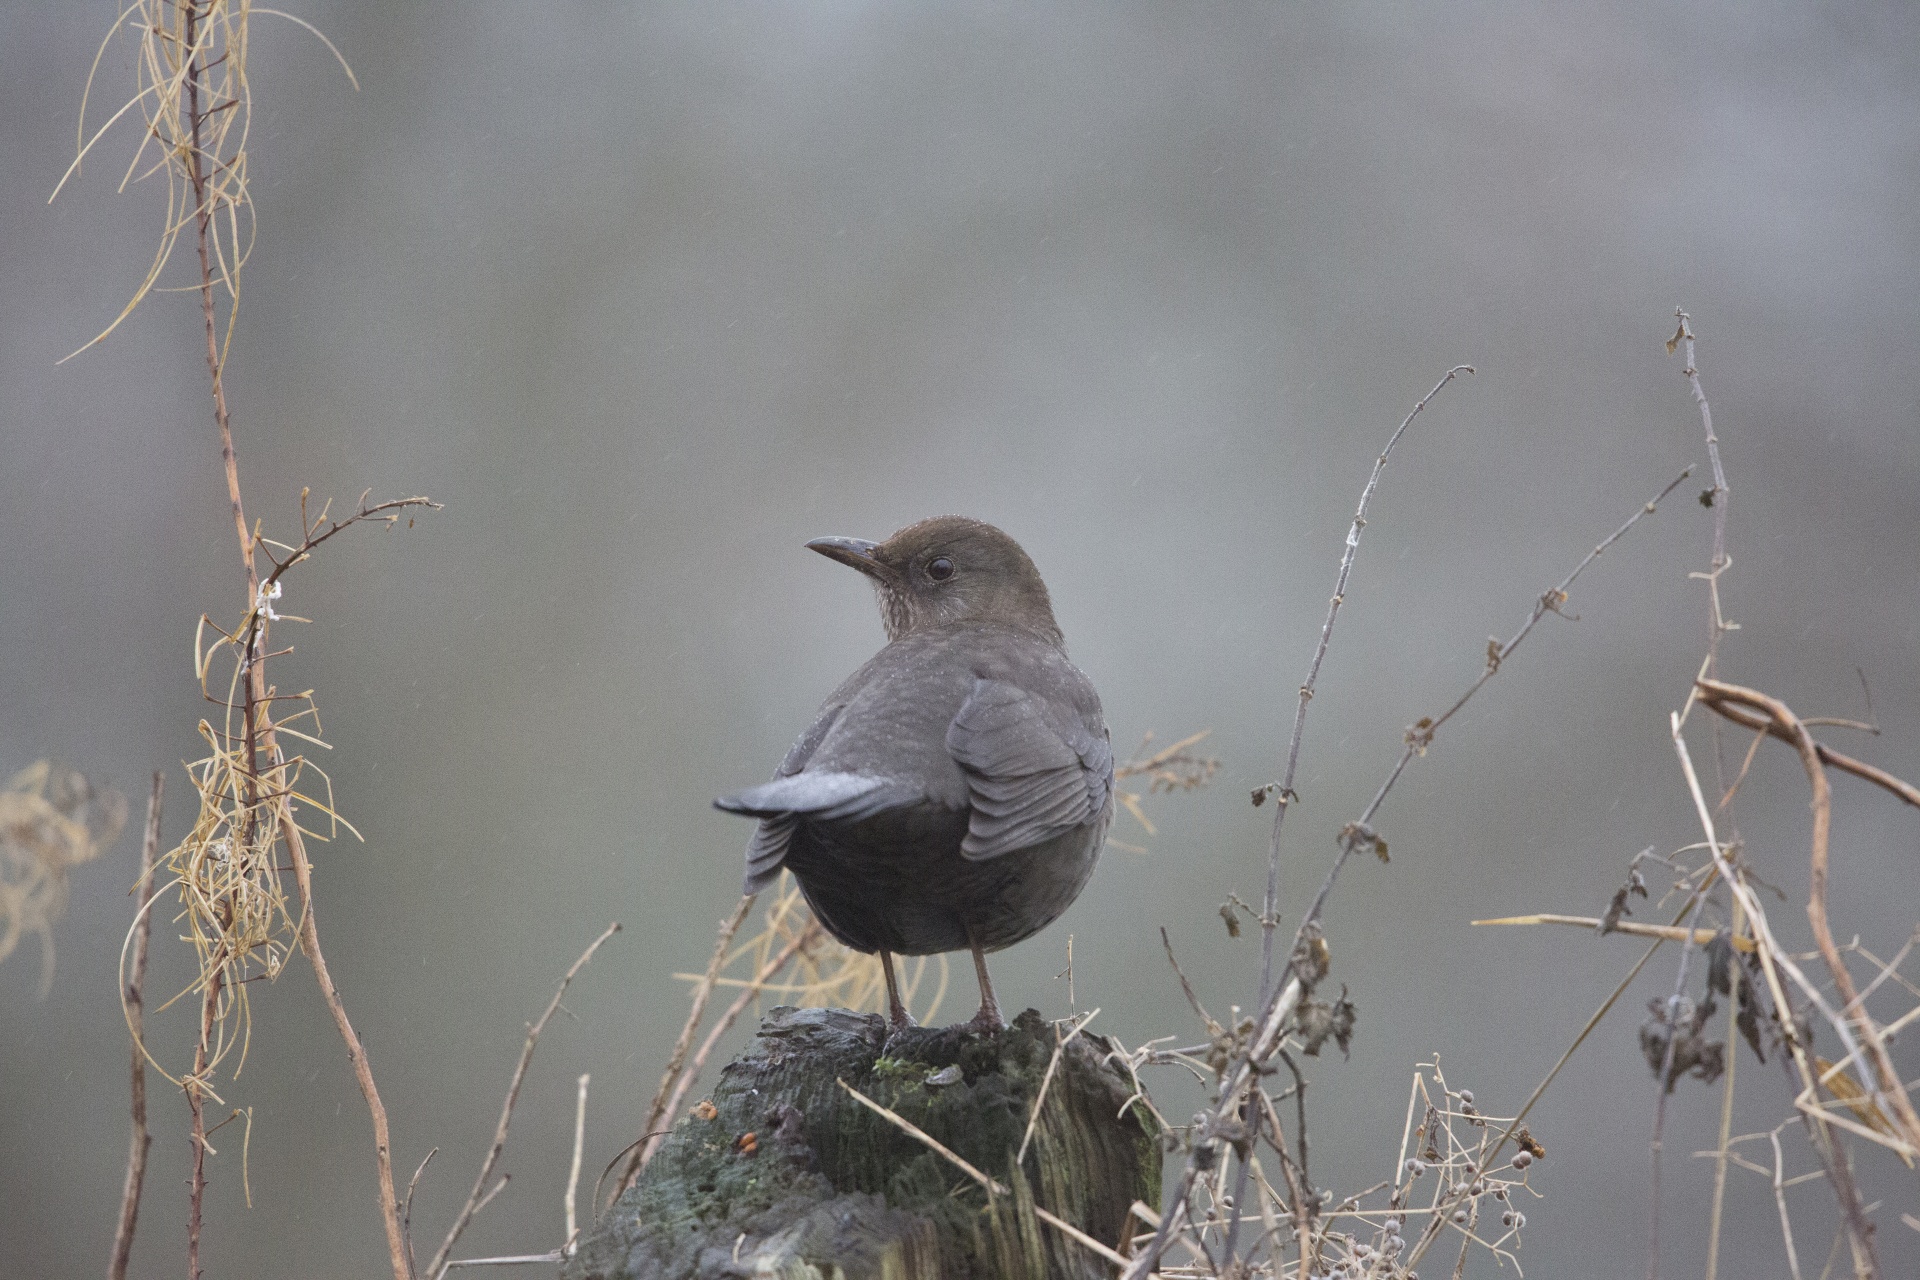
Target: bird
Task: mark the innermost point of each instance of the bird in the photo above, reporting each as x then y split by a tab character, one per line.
953	793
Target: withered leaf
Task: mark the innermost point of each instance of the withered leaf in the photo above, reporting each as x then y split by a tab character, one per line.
1318	1020
1720	968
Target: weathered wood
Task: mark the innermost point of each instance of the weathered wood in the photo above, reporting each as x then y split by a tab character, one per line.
826	1189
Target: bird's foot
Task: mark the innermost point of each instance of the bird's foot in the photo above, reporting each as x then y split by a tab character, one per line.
988	1021
898	1019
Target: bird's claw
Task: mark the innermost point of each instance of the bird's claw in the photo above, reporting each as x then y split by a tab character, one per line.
987	1022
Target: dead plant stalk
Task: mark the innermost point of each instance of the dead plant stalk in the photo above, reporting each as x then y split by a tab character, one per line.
1889	1089
748	994
1270	1027
479	1196
141	1141
259	730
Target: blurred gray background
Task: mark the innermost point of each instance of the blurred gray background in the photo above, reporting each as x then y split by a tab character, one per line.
648	296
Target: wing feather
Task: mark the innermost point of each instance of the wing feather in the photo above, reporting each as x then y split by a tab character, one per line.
1034	769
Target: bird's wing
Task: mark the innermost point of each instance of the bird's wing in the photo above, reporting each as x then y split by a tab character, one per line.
1031	775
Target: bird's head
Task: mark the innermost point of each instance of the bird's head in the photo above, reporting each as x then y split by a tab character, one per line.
948	569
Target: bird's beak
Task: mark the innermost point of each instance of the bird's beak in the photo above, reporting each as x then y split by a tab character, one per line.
857	552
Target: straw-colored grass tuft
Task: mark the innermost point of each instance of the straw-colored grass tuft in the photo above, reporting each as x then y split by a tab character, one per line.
51	820
823	973
194	106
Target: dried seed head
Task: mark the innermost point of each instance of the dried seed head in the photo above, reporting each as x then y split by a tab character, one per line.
1416	1166
1521	1159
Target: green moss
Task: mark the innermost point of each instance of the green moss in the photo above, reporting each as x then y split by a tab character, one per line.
826	1187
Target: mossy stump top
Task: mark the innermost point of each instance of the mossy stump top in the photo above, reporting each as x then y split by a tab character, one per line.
787	1175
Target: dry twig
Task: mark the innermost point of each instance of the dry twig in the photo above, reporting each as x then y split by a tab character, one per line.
1284	794
701	993
134	1000
748	994
993	1187
1890	1089
195	105
1278	1007
475	1200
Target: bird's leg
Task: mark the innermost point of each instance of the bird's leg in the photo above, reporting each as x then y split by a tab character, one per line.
897	1013
988	1019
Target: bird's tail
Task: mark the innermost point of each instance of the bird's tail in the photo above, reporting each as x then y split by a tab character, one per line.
823	796
819	796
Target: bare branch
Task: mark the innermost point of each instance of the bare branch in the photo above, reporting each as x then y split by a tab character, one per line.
1725	700
663	1123
1773	962
439	1264
573	1175
1891	1090
1283	799
134	995
1278	1006
406	1210
702	991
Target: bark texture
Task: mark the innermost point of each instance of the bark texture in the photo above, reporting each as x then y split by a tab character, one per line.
825	1188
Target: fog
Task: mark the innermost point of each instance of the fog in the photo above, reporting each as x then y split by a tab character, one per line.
649	296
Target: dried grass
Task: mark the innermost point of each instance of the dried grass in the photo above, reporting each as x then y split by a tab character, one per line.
823	973
192	100
51	820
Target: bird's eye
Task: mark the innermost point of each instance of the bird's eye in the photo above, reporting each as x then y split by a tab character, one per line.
940	569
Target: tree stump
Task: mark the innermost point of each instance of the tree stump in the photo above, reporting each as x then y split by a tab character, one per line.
787	1175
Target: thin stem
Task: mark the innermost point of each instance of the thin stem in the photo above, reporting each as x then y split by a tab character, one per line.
573	1175
702	992
1664	1080
196	1088
356	1052
1780	1202
1717	625
1726	1123
203	218
1279	1005
1715	695
1889	1090
1684	337
1773	960
261	737
141	1141
476	1198
1283	798
748	994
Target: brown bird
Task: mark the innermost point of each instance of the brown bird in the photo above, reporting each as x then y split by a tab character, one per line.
955	791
